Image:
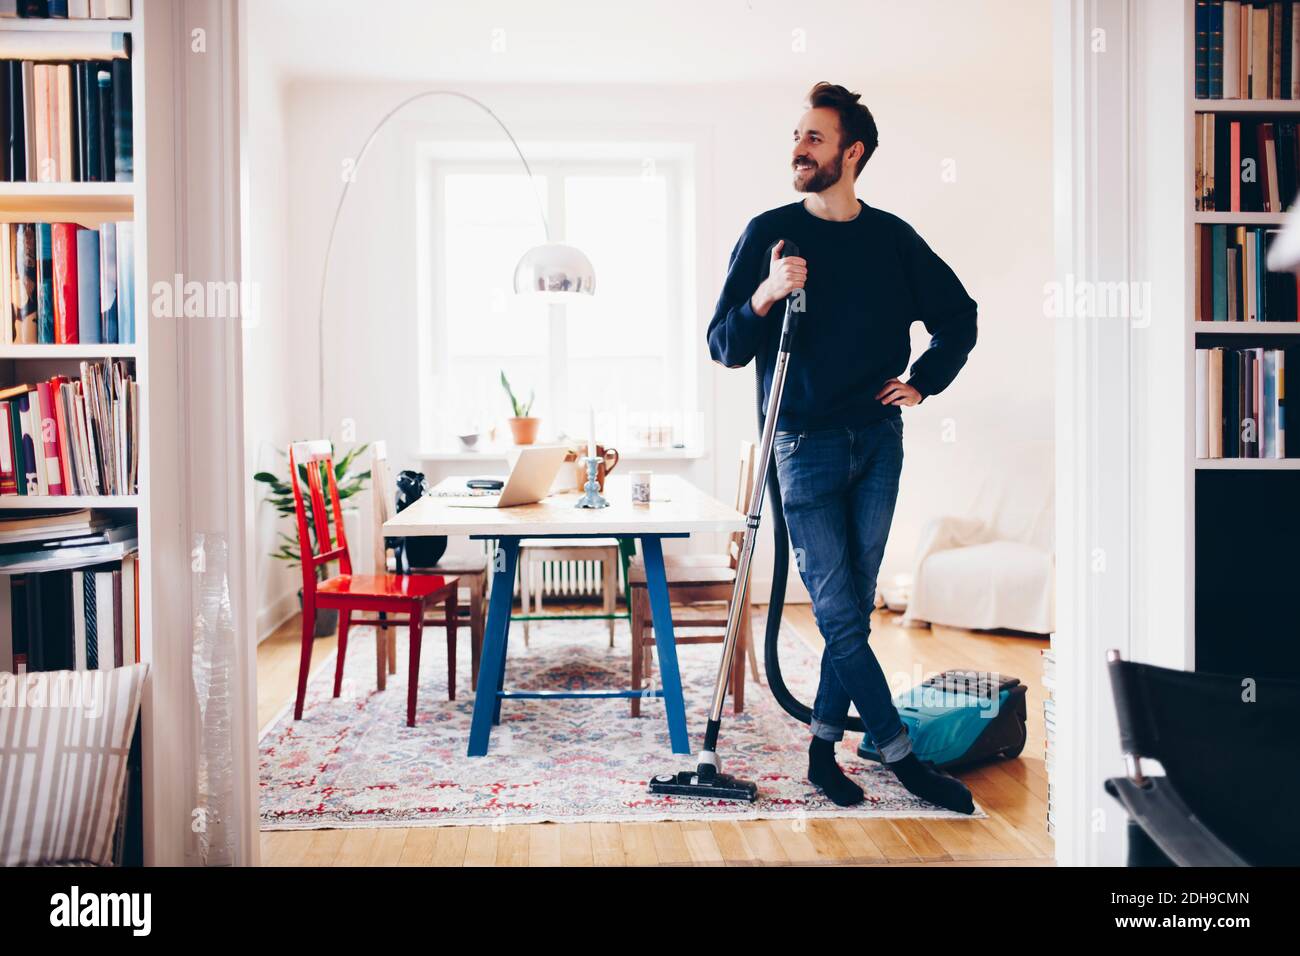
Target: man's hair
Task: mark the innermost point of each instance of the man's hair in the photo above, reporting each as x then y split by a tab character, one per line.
856	122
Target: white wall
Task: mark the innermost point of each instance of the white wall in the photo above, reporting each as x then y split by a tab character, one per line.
279	353
992	224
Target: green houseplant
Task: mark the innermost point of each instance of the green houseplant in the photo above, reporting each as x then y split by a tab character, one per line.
351	481
523	426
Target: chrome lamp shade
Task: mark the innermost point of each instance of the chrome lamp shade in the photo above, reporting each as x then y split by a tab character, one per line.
555	272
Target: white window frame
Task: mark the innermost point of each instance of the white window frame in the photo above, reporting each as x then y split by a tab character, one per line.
680	295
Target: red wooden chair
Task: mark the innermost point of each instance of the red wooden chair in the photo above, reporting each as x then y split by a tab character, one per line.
409	594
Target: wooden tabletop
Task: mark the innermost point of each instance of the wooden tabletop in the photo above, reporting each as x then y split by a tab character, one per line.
676	506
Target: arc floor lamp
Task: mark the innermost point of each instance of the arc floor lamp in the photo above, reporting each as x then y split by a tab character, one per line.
552	271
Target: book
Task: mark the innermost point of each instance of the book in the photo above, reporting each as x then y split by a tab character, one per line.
8	474
131	606
123	139
1233	283
67	311
1214	66
15	131
49	439
125	283
1214	413
7	274
6	102
47	164
95	169
21	526
1202	407
88	285
61	45
74	618
25	282
1231	49
61	119
1202	40
1241	403
103	80
28	72
1259	66
53	284
74	437
6	628
108	282
44	284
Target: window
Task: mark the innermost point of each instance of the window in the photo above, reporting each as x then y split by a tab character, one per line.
625	351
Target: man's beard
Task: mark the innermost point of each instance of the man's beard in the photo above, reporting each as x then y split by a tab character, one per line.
823	177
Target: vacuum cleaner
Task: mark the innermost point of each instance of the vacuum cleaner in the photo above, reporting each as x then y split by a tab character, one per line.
953	719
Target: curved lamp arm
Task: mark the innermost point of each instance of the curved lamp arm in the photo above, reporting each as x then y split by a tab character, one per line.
343	196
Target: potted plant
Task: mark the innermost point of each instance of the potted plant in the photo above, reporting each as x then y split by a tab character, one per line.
522	425
280	496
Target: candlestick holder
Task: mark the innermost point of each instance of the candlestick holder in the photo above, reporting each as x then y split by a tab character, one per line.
592	497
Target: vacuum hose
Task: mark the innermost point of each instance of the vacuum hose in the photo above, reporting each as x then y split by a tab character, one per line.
776	602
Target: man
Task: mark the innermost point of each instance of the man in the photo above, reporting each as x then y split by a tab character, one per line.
867	276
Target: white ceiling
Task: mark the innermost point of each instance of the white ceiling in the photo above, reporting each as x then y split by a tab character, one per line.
633	41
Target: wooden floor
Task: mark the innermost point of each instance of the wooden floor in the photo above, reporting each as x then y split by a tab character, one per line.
1013	793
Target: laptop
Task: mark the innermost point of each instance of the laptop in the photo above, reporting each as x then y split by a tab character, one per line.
530	479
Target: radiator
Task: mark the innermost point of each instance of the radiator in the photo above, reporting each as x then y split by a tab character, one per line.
567	580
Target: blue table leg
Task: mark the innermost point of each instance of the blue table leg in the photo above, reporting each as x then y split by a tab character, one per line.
493	661
661	613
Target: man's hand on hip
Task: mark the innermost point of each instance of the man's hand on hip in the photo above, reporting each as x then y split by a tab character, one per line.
895	392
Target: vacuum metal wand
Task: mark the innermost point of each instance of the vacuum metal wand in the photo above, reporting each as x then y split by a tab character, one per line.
707	780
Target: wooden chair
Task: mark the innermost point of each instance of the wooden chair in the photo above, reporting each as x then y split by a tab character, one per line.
694	580
533	553
408	594
471	572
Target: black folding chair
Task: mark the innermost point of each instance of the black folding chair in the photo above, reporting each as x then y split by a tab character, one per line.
1232	766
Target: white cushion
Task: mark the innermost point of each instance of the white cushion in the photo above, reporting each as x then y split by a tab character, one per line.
64	740
998	584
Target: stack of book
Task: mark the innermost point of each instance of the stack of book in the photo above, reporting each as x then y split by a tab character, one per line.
61	283
1267	153
65	122
65	437
1232	282
1247	49
86	619
32	541
1049	724
1241	403
67	9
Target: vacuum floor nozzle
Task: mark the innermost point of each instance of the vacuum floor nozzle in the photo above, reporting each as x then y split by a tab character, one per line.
717	786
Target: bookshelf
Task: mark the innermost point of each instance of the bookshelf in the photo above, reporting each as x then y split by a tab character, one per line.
90	204
1244	511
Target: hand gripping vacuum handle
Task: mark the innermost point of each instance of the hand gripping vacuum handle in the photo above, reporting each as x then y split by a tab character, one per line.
794	306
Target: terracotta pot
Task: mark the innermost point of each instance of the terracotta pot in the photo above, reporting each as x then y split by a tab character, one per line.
524	429
608	462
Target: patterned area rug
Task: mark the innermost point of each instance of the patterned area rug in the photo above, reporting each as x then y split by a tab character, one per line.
353	762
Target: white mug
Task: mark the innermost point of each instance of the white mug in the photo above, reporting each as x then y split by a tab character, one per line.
641	487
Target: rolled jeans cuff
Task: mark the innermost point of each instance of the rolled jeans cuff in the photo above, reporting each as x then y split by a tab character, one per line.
826	731
896	748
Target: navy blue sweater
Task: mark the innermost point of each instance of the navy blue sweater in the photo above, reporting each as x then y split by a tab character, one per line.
869	279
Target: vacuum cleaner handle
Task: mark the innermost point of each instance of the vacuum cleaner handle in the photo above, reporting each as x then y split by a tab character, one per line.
795	305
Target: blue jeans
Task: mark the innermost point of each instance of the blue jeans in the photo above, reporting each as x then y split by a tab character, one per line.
838	488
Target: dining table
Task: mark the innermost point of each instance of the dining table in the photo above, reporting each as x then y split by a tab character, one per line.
676	509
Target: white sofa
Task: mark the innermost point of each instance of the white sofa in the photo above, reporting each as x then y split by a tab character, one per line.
994	566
